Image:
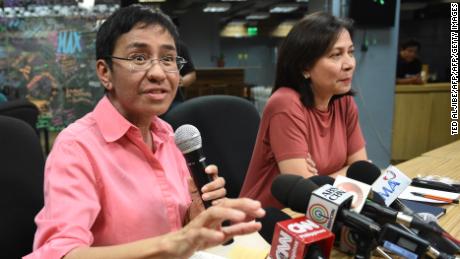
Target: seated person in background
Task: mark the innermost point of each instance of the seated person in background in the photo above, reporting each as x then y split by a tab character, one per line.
116	185
310	123
408	67
187	74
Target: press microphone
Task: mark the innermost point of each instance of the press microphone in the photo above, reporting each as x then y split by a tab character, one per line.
327	206
321	205
391	184
363	171
297	238
368	173
188	140
407	244
268	222
321	180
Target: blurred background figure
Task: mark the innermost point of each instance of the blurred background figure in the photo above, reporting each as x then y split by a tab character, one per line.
409	66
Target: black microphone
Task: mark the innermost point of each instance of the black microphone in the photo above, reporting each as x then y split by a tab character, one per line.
368	173
363	171
328	206
295	192
287	188
407	244
188	139
321	180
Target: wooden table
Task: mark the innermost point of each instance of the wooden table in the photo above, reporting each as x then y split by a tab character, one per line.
451	150
443	161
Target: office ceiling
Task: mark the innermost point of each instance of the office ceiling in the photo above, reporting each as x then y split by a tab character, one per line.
238	9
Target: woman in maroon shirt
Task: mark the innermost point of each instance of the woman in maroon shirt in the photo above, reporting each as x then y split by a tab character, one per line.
310	124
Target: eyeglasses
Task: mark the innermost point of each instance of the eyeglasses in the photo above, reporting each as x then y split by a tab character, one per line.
169	64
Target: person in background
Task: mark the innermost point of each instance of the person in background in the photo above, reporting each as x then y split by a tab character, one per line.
310	124
116	185
409	67
187	73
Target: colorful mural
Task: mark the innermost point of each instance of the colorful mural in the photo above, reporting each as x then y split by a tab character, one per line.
51	61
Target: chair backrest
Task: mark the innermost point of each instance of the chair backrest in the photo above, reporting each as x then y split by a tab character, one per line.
21	190
228	127
21	109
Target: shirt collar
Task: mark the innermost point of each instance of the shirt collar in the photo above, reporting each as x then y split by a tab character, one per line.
110	122
113	125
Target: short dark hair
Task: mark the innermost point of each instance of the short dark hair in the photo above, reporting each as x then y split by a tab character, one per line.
122	21
410	43
309	40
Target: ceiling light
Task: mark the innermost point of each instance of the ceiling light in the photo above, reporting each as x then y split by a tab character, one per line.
217	7
234	30
257	16
151	1
283	29
284	8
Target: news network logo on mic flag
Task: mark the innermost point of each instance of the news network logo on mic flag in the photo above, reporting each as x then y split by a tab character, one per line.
359	190
391	184
293	237
324	204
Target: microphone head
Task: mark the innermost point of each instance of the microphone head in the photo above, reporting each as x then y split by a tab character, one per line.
363	171
187	138
282	186
428	217
272	216
321	180
377	198
293	191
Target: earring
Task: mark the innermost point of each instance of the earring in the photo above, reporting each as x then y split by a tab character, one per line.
306	75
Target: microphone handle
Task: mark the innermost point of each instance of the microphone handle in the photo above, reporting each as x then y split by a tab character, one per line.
196	162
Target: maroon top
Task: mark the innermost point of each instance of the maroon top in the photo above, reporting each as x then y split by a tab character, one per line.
290	130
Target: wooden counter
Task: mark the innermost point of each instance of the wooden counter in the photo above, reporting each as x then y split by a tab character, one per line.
209	81
421	119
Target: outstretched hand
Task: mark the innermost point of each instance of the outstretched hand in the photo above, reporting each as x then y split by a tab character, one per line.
205	230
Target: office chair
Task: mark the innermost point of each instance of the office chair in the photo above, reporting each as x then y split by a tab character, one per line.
228	127
21	191
21	109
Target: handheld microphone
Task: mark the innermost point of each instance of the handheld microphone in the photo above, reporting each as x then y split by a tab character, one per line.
188	140
300	238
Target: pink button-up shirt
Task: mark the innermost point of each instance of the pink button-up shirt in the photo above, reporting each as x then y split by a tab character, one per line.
104	186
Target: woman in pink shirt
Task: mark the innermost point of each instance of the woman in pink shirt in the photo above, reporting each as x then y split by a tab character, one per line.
310	123
116	185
